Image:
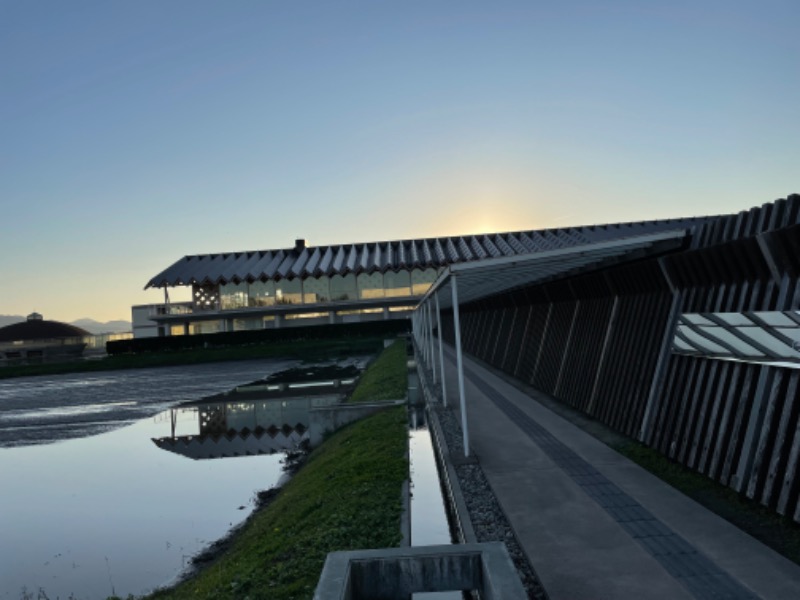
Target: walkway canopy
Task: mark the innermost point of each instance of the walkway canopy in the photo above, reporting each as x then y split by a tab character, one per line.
491	276
468	282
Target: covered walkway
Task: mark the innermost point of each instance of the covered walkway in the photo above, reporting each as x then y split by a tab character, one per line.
595	525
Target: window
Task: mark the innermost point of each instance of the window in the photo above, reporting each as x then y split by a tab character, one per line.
289	291
762	337
316	289
397	284
261	293
343	287
370	286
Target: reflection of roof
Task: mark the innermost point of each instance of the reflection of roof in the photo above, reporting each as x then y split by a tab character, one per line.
309	261
242	443
38	329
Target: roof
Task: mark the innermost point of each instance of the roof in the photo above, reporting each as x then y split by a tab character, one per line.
313	261
493	276
38	329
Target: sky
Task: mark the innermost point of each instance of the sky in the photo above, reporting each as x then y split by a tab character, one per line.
134	133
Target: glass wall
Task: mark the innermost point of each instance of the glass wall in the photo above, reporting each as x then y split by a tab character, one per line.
261	293
751	337
316	289
343	287
397	284
205	327
421	281
370	286
248	324
233	295
289	291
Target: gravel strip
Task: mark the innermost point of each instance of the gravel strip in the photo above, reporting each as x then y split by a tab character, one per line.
488	520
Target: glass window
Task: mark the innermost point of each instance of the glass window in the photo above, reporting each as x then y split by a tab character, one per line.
233	295
734	318
696	319
704	344
343	287
316	289
370	286
289	291
247	324
681	345
794	335
397	284
727	337
204	327
775	319
421	281
770	342
261	293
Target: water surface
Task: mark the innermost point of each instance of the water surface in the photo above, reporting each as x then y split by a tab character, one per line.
92	506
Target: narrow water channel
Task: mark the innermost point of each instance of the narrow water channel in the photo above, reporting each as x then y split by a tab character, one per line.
429	525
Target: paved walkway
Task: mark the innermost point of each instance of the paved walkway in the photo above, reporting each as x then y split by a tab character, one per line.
597	526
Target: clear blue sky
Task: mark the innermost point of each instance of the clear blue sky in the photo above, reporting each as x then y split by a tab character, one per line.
133	133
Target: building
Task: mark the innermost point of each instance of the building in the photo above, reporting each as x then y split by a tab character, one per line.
688	341
344	283
681	333
38	340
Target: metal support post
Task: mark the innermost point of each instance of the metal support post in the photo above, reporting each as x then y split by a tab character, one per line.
441	351
431	351
460	363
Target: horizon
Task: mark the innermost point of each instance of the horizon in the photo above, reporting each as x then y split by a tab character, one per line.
136	134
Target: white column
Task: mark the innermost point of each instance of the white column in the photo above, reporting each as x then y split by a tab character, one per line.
460	364
441	351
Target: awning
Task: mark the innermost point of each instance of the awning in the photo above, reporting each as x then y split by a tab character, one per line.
491	276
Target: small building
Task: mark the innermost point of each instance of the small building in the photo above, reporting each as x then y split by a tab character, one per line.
39	340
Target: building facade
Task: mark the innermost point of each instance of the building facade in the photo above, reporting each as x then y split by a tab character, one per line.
344	283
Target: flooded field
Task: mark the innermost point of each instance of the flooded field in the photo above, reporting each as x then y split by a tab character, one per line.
109	488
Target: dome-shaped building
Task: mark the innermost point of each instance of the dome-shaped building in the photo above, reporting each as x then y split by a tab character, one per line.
36	339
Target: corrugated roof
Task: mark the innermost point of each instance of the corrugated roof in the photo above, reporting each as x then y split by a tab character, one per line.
302	262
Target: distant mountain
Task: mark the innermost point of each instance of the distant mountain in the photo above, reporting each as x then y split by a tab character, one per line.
89	325
93	326
10	319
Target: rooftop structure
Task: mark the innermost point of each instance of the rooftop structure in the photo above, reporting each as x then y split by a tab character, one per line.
347	282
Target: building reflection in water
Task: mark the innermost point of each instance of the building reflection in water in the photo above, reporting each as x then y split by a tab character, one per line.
241	428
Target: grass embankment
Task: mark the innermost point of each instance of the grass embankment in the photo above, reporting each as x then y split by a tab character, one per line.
303	350
780	533
347	496
386	378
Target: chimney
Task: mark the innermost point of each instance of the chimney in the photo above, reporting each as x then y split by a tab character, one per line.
299	244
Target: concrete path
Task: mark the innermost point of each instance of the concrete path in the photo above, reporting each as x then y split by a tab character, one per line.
596	525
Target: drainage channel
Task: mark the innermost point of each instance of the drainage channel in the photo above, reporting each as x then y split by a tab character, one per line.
429	525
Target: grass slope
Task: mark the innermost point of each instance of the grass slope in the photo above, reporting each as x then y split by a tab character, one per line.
347	496
386	378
